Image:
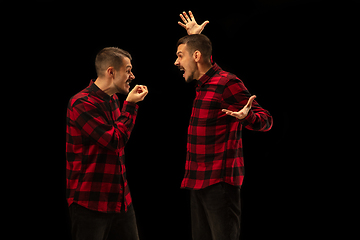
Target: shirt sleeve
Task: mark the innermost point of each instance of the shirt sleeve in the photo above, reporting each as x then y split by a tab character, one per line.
92	123
236	96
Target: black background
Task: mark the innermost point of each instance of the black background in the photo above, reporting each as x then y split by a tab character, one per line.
282	50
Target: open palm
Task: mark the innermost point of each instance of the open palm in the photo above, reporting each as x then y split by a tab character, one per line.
243	112
190	24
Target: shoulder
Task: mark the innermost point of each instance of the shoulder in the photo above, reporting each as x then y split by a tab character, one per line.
226	78
80	98
232	85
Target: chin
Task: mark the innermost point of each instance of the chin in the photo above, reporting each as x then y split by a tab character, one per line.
189	79
123	91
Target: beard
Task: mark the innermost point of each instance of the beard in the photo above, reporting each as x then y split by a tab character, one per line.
190	78
123	89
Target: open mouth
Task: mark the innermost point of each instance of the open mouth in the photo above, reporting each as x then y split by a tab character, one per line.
128	82
182	70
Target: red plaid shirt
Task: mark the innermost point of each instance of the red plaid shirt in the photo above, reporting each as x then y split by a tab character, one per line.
214	147
96	134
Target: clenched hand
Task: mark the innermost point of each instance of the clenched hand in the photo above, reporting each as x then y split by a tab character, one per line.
137	94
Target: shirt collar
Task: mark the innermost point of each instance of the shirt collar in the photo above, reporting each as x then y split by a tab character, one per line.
95	90
211	72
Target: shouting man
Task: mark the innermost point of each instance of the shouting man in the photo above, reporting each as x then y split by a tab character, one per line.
214	169
97	131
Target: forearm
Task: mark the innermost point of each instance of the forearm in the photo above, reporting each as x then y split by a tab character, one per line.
91	122
126	122
258	121
241	104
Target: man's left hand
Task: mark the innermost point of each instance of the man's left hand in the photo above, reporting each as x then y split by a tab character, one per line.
190	24
243	112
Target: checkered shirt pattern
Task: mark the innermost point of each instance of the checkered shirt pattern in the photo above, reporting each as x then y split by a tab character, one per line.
96	134
214	144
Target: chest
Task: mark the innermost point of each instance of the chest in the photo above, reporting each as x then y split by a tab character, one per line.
208	101
111	110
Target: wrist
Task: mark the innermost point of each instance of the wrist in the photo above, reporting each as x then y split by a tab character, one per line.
131	100
130	107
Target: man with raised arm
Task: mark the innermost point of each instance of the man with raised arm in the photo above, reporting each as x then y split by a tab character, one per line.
214	169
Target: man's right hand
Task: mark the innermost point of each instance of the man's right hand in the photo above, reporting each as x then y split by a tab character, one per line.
137	94
190	24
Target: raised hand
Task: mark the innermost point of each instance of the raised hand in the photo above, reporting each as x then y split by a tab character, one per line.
137	94
243	112
190	24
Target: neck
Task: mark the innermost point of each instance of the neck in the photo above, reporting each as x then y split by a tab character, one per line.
203	68
105	85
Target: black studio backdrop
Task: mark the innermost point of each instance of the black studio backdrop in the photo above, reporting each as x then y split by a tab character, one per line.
275	47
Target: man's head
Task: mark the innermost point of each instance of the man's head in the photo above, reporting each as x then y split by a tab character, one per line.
193	55
114	66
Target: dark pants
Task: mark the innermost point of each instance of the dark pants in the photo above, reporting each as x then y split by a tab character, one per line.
92	225
215	212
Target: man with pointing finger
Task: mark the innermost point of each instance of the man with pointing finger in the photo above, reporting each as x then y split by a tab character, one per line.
214	168
97	131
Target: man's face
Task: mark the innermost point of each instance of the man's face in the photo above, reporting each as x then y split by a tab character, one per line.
123	77
185	62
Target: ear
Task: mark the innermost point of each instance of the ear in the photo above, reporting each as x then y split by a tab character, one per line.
197	56
110	72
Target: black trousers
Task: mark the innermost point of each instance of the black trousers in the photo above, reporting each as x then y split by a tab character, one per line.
92	225
215	212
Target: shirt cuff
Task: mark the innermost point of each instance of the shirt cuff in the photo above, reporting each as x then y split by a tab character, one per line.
249	119
130	107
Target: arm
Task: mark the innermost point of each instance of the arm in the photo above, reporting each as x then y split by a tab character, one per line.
243	112
92	123
251	114
190	24
90	120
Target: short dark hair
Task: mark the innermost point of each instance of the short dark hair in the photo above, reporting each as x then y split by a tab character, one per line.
197	42
110	57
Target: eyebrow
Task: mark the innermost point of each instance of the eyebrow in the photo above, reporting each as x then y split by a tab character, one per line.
178	52
128	66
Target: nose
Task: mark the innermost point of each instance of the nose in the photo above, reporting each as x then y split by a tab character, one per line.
132	76
176	63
